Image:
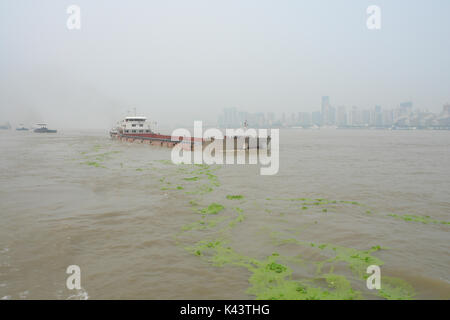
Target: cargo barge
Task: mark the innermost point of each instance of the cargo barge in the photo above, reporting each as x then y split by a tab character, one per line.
138	129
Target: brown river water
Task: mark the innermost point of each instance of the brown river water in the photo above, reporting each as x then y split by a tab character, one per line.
134	222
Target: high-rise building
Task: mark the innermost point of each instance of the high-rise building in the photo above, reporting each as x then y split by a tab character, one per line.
331	115
365	120
355	117
406	108
317	118
378	117
446	110
304	119
230	118
342	116
270	118
388	117
325	109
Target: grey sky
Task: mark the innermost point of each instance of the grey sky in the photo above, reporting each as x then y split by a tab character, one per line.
177	61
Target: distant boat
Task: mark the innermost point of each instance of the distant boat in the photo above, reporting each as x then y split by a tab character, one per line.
5	126
43	129
21	128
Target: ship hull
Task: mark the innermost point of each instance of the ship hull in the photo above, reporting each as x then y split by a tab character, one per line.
40	130
189	143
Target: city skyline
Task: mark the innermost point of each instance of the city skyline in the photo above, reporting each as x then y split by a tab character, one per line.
329	115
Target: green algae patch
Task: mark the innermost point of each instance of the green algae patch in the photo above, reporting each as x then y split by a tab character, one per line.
415	218
201	190
238	219
175	188
395	289
357	260
139	169
193	203
94	164
213	208
198	225
350	202
212	179
203	224
191	179
271	279
235	197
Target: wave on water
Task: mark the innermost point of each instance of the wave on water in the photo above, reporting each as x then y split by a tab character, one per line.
80	295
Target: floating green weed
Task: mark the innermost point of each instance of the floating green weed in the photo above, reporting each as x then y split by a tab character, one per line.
239	218
357	260
350	202
414	218
395	289
193	203
94	164
191	179
201	190
235	197
213	208
272	280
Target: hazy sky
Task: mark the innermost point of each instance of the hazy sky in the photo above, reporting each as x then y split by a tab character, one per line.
180	60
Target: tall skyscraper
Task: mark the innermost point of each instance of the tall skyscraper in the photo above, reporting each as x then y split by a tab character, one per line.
342	116
446	110
331	115
317	118
325	110
355	116
378	116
